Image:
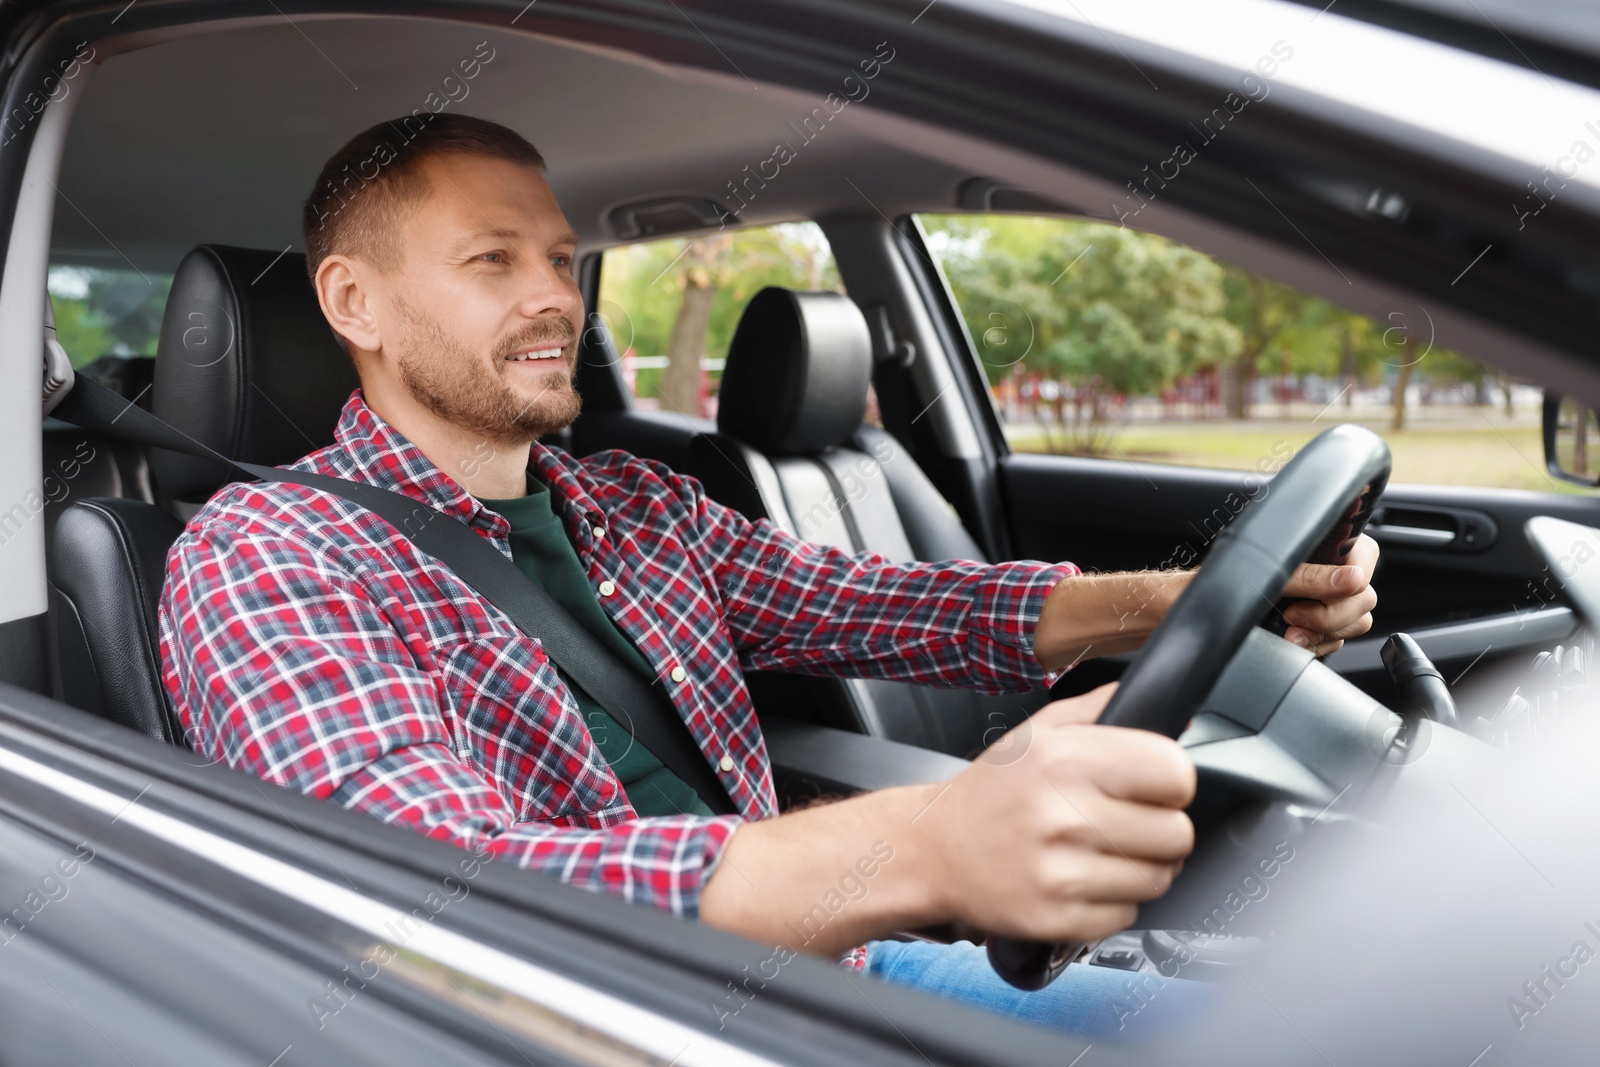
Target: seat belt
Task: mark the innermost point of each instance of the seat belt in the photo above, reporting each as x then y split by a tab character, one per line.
642	708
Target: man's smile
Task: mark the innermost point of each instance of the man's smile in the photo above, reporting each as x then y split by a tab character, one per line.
531	354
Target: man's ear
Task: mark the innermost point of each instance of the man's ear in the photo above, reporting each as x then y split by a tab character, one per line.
347	302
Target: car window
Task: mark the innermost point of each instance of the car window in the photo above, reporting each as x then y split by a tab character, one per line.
1100	340
104	311
672	305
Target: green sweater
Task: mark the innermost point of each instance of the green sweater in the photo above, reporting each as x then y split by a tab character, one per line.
541	550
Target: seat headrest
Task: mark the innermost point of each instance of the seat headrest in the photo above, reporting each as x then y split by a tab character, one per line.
246	364
797	372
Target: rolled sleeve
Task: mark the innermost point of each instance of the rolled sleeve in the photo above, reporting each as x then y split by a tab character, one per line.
1005	605
794	605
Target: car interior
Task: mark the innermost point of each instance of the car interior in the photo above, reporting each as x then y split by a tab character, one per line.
187	159
248	366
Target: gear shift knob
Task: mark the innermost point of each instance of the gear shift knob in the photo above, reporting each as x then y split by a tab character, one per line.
1418	681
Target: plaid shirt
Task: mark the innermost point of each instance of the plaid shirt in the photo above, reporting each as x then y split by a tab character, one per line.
308	642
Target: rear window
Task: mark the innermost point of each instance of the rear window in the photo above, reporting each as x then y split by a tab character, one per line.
104	311
672	305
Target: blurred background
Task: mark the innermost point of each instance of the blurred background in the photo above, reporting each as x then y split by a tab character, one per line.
1100	340
1096	340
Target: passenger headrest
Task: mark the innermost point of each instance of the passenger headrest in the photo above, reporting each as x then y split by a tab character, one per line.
246	364
797	372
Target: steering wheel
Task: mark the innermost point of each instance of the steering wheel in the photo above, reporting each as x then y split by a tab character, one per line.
1312	511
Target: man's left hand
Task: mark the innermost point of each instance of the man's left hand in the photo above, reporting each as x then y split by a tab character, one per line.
1332	603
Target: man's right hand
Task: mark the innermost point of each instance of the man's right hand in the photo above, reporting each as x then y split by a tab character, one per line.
1054	834
1061	828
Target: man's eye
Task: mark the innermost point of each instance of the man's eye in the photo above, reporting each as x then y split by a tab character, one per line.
562	261
493	257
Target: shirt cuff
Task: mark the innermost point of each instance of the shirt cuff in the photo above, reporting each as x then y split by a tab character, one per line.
1002	621
715	833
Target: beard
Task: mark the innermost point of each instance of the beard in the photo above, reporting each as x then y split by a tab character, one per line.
457	385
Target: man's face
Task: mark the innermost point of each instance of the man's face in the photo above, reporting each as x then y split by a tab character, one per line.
481	319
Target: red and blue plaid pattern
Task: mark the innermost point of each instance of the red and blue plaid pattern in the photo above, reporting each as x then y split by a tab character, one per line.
308	642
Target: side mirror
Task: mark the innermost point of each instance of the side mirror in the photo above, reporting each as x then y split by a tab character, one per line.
1571	440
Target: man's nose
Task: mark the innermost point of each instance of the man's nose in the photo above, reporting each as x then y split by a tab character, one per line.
548	290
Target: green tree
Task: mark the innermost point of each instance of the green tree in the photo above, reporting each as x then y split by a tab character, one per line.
1266	313
681	296
1108	310
82	331
701	273
100	311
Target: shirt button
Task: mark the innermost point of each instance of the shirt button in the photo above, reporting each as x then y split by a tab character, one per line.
726	764
607	588
598	531
678	674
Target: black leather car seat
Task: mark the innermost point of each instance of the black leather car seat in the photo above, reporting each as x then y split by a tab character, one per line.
107	560
791	447
247	364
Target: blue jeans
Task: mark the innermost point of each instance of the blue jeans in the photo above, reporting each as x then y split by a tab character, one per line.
1091	1003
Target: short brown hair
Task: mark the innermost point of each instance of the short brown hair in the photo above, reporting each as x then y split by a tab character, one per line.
367	186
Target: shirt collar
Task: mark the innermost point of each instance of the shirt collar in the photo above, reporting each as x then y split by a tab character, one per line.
385	457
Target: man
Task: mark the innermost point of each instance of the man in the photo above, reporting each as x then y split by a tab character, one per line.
310	643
